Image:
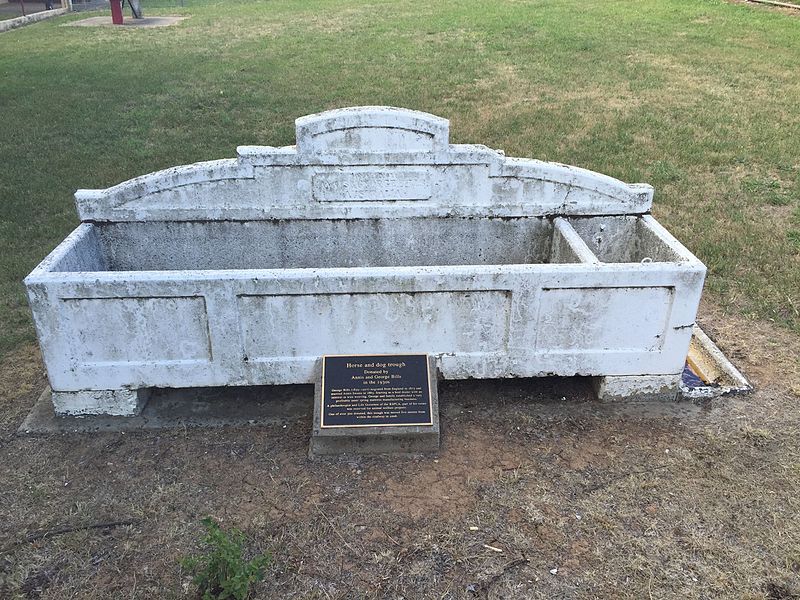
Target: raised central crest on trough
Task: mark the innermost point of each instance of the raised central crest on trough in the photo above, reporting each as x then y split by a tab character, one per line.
382	162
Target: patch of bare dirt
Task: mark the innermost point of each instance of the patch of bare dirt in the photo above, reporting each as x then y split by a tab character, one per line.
22	379
537	492
451	484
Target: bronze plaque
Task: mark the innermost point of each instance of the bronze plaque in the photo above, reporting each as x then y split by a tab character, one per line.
375	390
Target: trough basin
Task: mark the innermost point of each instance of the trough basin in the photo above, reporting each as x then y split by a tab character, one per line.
373	235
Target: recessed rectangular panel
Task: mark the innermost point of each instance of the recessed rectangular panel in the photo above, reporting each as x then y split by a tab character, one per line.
138	330
394	322
611	319
373	139
372	185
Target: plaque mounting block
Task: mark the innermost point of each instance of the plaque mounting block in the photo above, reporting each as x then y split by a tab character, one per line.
376	403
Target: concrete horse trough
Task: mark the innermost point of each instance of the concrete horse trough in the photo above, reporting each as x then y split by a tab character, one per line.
373	235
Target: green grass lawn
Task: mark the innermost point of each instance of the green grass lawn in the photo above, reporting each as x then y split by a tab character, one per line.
698	97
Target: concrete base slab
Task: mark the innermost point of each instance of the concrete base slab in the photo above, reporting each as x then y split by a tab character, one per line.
408	439
146	22
286	404
201	407
642	387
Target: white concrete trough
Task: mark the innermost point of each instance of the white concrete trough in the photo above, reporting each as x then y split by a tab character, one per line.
372	235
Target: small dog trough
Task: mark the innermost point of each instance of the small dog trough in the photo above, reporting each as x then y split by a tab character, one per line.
372	235
708	372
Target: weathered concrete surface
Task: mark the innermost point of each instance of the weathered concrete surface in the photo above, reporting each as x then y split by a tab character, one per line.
10	24
373	235
124	402
650	387
360	163
329	243
409	439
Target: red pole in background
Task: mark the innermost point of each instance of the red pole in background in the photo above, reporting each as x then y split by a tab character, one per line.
116	12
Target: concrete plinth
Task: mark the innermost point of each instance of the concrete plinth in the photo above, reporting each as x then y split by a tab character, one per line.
145	22
642	387
120	403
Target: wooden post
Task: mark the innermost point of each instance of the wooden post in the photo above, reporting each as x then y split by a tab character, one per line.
116	12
